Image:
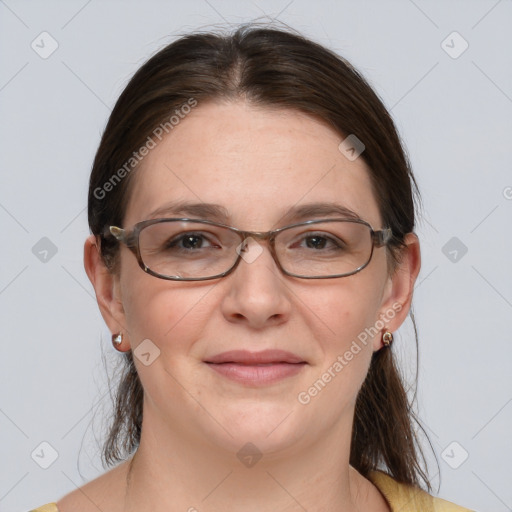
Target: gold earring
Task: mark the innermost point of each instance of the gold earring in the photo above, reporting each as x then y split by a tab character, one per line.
387	339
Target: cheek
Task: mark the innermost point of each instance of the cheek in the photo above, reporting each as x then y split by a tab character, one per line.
348	347
170	314
347	351
340	318
340	311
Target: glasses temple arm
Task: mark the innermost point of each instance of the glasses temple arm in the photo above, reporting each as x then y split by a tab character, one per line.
120	234
383	236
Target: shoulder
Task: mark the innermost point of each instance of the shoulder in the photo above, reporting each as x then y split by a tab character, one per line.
106	492
402	496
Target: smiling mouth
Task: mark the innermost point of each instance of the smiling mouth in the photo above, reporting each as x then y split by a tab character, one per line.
257	374
264	357
273	363
255	369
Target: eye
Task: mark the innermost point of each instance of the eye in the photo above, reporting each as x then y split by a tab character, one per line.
321	241
190	241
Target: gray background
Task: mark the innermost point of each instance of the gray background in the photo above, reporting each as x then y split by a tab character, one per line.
455	116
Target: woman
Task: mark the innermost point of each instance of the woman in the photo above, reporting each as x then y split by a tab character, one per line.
252	252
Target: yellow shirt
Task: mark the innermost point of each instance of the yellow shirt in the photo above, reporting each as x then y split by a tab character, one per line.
405	498
400	497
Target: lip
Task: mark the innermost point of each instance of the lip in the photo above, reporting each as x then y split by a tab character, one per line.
256	368
254	358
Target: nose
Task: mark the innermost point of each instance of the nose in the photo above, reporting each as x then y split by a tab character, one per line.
257	294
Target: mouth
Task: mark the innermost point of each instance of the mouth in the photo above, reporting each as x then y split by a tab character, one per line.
256	368
263	358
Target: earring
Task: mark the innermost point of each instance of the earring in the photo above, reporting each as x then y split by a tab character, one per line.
387	339
117	340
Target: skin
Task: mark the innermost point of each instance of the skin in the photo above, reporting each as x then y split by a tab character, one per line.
257	163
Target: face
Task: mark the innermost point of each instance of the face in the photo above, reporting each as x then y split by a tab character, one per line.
258	164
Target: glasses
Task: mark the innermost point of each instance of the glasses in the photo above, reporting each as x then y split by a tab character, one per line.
198	250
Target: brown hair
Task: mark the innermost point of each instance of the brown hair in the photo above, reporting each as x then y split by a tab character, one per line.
278	69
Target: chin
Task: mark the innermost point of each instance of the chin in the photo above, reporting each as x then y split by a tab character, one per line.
270	426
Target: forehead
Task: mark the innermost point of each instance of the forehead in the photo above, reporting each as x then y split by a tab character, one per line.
256	163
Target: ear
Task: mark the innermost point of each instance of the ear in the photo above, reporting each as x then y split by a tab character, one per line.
106	286
398	291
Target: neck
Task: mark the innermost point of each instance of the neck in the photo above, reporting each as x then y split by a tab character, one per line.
171	472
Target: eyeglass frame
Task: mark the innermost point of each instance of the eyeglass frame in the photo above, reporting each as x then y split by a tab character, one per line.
130	238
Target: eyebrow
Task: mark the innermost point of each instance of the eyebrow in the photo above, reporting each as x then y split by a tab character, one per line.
218	213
